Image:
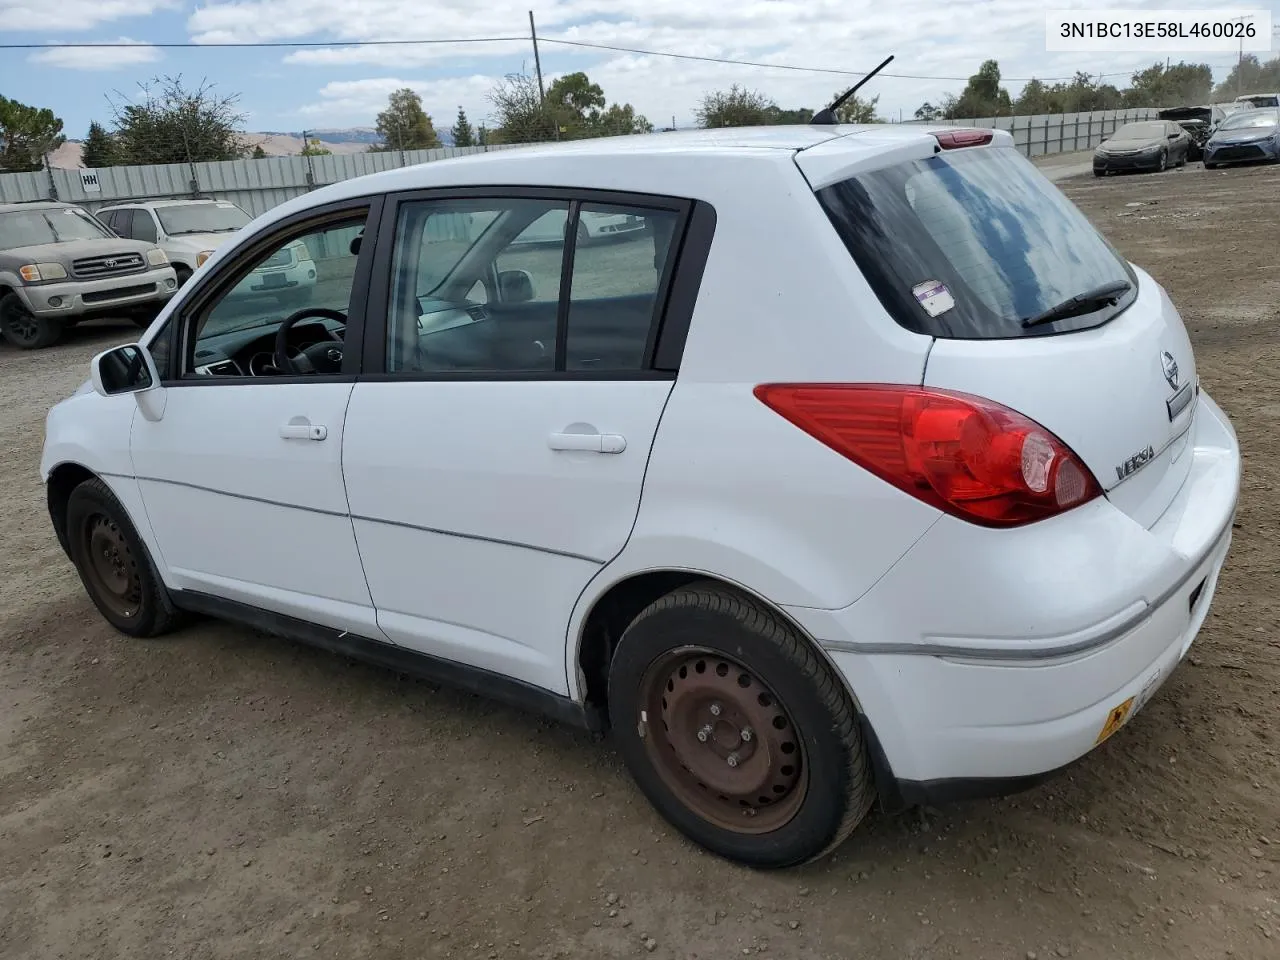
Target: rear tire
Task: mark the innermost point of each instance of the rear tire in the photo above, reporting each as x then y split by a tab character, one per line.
20	327
114	564
738	732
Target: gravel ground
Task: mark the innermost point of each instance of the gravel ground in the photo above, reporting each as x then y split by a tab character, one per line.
219	794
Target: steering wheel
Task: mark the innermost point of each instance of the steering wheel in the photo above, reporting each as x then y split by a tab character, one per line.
323	357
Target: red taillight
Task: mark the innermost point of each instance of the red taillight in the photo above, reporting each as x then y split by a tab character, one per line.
954	139
968	456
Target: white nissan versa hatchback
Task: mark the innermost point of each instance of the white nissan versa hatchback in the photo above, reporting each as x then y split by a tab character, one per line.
866	469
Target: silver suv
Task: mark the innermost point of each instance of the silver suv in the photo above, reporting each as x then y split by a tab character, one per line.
58	266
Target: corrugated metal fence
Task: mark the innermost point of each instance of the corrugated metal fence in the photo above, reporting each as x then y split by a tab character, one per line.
259	185
1036	136
254	185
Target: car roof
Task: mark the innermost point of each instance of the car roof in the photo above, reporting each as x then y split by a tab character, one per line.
639	163
175	202
34	205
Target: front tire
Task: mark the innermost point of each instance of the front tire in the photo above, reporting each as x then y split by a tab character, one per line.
20	327
114	565
739	734
1164	162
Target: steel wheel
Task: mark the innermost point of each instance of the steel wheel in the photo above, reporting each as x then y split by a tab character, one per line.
724	743
111	569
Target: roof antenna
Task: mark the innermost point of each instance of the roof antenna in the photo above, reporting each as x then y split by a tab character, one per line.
827	116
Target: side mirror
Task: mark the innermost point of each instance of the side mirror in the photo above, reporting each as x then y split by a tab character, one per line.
127	369
1174	136
515	286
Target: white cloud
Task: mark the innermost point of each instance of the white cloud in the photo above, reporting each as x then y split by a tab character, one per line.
946	41
70	16
132	53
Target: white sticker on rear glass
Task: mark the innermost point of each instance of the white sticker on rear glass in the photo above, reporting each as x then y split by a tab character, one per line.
934	297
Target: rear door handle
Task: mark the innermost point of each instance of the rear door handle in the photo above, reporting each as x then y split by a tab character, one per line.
300	428
588	442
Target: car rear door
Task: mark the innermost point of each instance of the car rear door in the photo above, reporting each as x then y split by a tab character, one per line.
965	245
496	446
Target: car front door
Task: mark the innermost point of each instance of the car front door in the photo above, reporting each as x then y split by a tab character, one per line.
241	471
496	463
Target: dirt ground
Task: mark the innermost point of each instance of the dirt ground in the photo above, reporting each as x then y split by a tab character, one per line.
218	794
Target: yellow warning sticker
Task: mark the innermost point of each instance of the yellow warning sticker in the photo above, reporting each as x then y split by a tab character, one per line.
1115	720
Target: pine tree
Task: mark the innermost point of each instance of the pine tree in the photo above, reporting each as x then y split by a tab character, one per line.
98	148
462	133
258	152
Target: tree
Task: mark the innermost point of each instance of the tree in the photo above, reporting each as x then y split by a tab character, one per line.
404	125
315	148
855	110
1249	75
463	136
482	136
98	149
26	135
982	96
172	124
735	107
521	113
572	108
927	112
1161	86
258	152
620	120
575	104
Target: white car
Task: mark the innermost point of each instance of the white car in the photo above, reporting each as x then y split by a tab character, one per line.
874	471
190	230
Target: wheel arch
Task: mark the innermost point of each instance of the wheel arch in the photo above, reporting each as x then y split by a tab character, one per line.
617	605
609	615
62	479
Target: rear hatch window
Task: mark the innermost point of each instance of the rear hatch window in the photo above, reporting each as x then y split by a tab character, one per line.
972	244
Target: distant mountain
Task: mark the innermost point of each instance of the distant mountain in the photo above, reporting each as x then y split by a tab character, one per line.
274	143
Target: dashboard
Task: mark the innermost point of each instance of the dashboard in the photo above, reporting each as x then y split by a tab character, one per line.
250	352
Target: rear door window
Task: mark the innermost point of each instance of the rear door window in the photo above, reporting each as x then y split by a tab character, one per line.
144	228
966	245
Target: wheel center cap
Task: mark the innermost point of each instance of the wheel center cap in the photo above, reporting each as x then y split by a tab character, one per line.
726	735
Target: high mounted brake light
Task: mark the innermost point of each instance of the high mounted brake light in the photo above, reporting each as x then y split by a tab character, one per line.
955	139
965	455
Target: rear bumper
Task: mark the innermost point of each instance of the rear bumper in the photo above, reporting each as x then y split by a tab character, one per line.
985	660
80	298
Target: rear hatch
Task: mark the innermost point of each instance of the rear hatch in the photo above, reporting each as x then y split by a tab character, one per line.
970	246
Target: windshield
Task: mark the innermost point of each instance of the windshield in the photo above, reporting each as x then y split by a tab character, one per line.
1260	118
30	228
966	245
1139	131
201	218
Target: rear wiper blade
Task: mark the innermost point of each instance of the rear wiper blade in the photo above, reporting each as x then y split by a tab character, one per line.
1087	302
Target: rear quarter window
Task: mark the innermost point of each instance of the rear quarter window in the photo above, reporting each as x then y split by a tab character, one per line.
965	245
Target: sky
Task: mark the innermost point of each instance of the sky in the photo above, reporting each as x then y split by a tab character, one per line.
336	86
